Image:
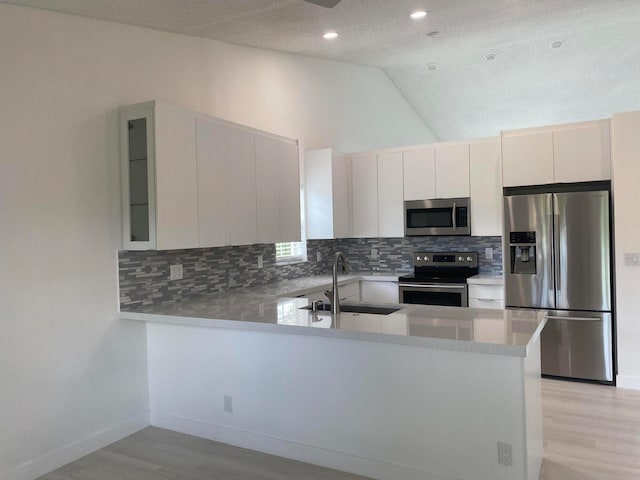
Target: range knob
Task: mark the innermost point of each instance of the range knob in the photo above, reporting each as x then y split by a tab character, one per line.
461	259
426	259
469	259
418	258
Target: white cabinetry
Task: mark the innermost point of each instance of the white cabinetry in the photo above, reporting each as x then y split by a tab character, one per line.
190	181
379	291
419	174
159	177
486	188
486	296
557	154
364	174
278	190
390	195
327	194
583	153
452	171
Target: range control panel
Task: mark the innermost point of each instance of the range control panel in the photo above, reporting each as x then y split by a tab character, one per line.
445	259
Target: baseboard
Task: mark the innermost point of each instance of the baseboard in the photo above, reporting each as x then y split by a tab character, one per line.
630	382
281	447
69	453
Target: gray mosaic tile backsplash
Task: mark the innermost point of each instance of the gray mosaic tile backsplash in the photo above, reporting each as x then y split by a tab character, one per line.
144	276
395	254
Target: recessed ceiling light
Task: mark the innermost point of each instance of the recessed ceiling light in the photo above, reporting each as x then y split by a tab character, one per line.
491	56
557	44
418	14
432	66
330	35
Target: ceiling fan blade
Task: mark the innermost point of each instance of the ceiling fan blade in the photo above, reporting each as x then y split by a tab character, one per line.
324	3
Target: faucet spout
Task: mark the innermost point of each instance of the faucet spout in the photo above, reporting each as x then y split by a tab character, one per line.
335	301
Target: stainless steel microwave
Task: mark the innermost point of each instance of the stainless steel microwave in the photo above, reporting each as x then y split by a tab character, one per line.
448	216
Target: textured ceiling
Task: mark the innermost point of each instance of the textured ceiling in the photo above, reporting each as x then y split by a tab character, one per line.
595	74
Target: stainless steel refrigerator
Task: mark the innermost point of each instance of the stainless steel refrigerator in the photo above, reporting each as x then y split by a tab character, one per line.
558	257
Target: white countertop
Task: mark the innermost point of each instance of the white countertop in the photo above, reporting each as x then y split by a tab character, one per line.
486	279
498	332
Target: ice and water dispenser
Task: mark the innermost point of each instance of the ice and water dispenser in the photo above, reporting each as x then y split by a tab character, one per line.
523	252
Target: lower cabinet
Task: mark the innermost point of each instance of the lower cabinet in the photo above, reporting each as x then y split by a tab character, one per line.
379	292
486	296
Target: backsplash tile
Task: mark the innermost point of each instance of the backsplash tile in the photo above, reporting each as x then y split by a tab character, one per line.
396	254
144	276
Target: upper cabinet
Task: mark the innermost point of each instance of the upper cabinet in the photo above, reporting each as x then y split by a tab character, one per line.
486	188
159	177
419	174
327	194
364	195
193	181
390	195
559	154
452	171
438	172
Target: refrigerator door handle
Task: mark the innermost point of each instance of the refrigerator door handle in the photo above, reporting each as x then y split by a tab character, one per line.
581	319
557	257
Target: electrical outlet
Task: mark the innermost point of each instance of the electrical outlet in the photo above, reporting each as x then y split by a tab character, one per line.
260	261
505	454
175	272
228	403
631	258
319	256
374	254
488	253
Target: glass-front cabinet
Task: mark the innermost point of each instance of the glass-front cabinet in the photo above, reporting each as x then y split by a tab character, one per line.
138	177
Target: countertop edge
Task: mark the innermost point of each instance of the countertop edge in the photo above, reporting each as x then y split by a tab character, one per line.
423	342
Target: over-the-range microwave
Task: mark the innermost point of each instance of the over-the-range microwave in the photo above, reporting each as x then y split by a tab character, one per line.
447	216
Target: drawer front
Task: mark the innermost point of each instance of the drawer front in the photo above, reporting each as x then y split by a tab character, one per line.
489	292
350	291
486	303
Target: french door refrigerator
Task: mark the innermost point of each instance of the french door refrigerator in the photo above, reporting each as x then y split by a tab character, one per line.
558	257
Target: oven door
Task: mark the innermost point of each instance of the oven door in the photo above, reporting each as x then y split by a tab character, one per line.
437	217
444	294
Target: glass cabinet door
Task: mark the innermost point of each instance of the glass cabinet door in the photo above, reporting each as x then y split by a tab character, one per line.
137	157
138	180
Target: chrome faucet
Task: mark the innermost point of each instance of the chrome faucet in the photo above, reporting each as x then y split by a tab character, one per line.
335	297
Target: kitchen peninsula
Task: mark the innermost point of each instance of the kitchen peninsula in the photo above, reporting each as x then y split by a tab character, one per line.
422	393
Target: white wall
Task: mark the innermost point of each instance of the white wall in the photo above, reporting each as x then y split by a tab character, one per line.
626	179
69	370
378	410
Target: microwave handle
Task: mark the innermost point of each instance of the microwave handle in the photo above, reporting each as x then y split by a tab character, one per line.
453	216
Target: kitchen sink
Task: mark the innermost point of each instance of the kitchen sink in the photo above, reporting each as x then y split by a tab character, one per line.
351	308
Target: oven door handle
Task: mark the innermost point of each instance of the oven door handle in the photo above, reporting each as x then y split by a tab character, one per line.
451	287
453	216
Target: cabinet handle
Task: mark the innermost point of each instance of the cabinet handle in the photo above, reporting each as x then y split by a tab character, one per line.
581	319
453	216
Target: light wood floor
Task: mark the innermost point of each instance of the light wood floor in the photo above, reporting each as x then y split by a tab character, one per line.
591	432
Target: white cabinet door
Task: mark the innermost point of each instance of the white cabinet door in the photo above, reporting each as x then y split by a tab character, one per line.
583	154
289	192
319	197
176	178
242	187
364	173
390	195
379	292
268	189
341	180
213	185
486	188
527	159
452	171
419	174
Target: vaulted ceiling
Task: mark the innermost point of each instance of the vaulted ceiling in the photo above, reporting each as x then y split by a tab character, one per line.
595	73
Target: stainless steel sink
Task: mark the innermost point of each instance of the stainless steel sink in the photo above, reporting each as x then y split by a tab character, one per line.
351	308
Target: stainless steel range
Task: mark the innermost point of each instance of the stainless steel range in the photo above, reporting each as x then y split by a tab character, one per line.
439	278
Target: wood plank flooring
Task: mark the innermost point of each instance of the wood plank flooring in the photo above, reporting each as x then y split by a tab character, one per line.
591	432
